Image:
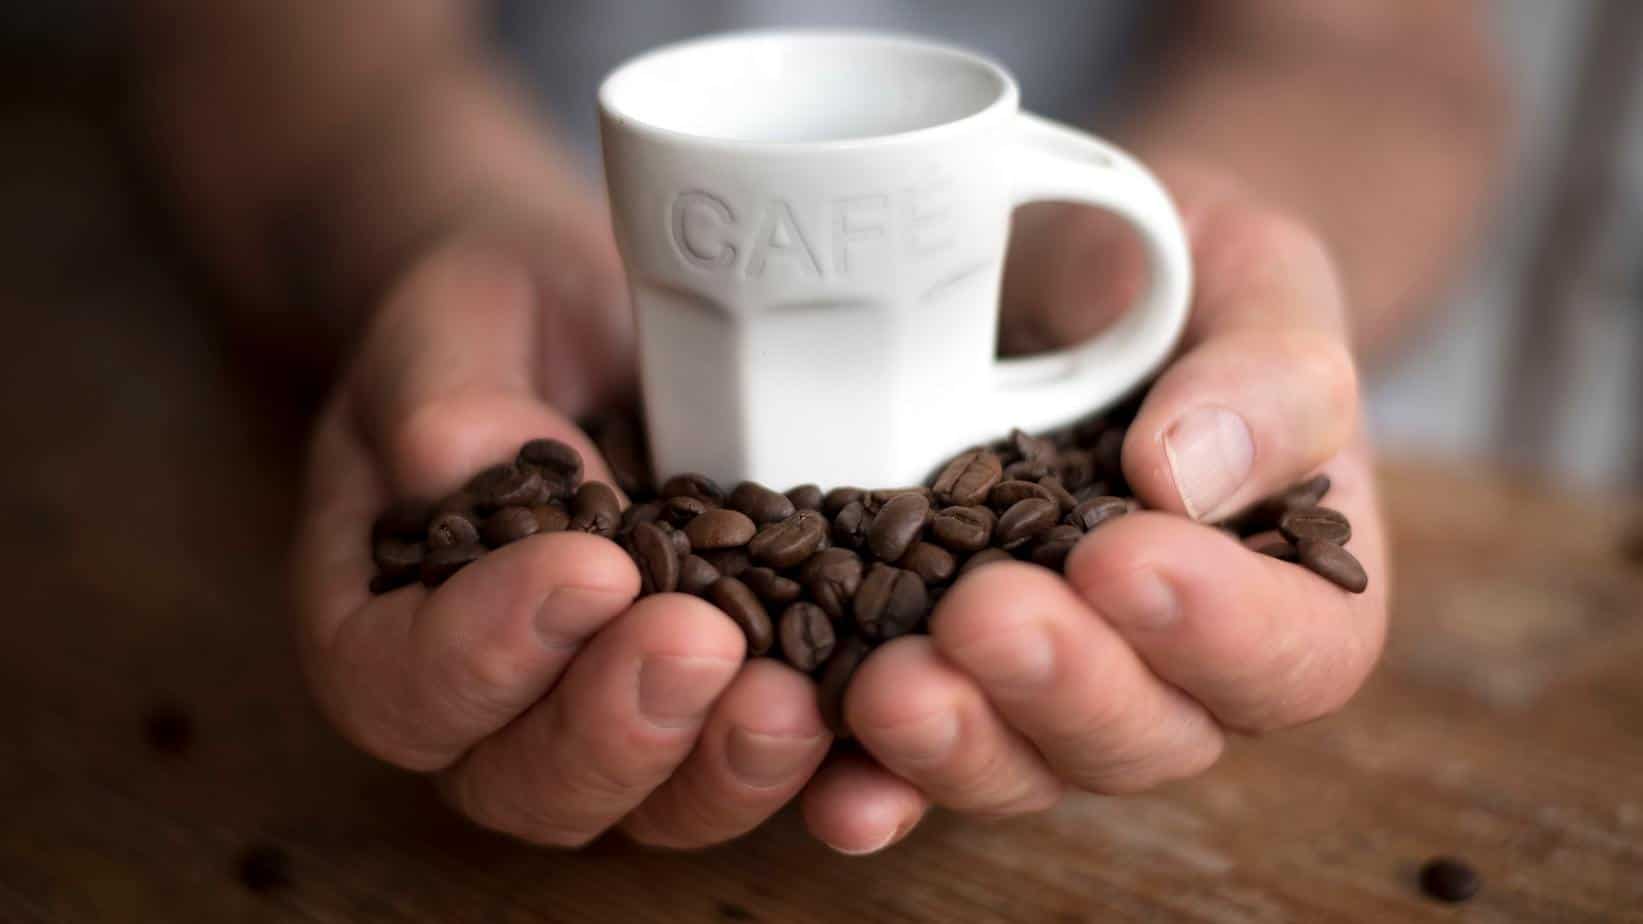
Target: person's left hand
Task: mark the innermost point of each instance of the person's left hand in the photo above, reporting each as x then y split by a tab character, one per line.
1167	635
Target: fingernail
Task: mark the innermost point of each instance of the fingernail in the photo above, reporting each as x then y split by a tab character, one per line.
676	690
570	615
1140	601
924	741
1210	453
894	835
763	761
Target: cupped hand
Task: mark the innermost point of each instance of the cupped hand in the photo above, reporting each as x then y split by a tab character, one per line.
548	701
1167	635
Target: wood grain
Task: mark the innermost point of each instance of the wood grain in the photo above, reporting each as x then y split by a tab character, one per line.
147	494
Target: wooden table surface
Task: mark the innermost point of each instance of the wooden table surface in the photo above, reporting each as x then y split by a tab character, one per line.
146	492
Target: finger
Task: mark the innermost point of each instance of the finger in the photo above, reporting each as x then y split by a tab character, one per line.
762	742
623	718
857	807
1261	643
450	376
1266	390
931	725
1066	680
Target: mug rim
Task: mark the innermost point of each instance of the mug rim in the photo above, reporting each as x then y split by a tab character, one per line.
1006	100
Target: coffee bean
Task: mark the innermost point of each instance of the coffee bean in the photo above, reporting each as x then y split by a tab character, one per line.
1108	455
550	518
839	498
439	564
1092	491
657	559
932	563
1448	879
505	485
403	520
720	528
889	603
1063	498
1032	448
510	524
397	558
794	539
693	484
1320	523
1280	549
851	524
1075	468
743	607
897	525
647	512
1054	544
963	529
455	525
1028	470
832	577
967	479
597	509
559	465
679	511
681	542
1096	511
1264	515
1024	520
882	496
696	575
983	557
774	590
1333	563
622	444
729	562
806	636
1007	494
806	497
835	682
761	504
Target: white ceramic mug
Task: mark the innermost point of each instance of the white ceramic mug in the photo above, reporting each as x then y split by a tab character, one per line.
814	227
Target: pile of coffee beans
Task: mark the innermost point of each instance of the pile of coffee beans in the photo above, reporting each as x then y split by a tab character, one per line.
817	577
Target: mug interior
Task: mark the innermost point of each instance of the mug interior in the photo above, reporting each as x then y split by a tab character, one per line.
795	88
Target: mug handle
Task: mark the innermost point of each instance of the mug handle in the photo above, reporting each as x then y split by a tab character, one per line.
1056	163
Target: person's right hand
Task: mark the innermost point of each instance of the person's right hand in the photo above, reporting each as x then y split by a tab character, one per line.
550	704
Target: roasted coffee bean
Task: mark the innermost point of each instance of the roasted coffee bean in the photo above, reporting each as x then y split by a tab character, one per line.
403	520
761	504
720	528
1333	563
897	525
551	518
1096	511
889	603
510	524
1108	455
681	542
839	498
851	524
622	444
1265	514
679	511
1063	498
1281	549
647	512
397	558
693	484
1007	494
730	562
1092	491
963	529
453	525
835	682
1025	520
1448	879
806	636
832	576
794	539
1028	470
967	479
1053	545
696	575
1032	448
559	465
806	497
882	496
1075	468
774	590
932	563
1320	523
743	607
439	564
983	557
506	485
657	559
597	509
